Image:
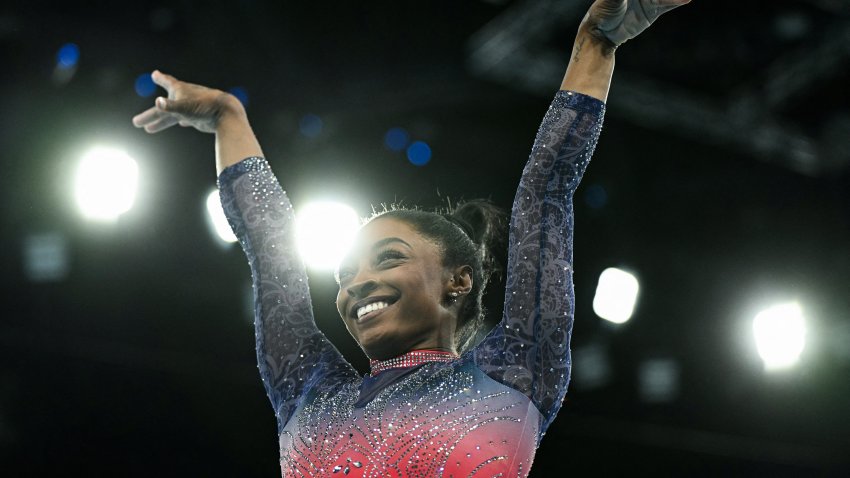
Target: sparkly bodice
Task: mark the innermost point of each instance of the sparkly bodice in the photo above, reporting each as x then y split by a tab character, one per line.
483	413
444	419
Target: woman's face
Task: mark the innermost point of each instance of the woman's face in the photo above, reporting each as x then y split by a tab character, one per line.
393	290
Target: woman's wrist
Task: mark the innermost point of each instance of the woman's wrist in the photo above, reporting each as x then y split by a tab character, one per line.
231	114
591	64
595	39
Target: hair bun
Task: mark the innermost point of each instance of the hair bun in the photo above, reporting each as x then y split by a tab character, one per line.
485	223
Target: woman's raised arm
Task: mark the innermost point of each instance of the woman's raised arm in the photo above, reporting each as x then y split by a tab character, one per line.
293	355
530	348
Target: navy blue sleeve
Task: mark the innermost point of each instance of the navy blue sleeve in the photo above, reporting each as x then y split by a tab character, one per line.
293	355
529	350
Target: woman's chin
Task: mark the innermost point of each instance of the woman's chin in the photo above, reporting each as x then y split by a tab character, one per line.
380	346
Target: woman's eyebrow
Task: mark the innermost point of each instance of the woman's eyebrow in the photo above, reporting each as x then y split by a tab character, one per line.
383	242
388	240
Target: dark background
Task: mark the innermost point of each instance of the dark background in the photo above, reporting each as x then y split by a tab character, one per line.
721	179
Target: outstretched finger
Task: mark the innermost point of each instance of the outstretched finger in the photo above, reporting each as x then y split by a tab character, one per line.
146	117
163	80
161	124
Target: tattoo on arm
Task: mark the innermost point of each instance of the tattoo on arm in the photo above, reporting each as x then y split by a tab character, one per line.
577	49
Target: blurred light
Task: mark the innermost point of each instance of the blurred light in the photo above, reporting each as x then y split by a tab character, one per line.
241	94
67	56
396	139
791	25
419	153
106	183
591	367
145	86
217	219
658	380
596	196
780	334
46	257
616	294
311	125
324	233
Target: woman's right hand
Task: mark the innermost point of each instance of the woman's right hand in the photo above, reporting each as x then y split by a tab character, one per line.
188	105
622	20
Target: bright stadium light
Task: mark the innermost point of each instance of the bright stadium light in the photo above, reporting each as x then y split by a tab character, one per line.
616	294
780	334
216	219
106	183
324	232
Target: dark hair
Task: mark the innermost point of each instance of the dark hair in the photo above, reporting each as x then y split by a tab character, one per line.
467	234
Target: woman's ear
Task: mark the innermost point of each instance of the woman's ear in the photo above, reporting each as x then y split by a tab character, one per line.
461	280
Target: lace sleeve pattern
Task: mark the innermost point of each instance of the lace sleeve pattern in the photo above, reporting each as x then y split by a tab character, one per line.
529	349
293	355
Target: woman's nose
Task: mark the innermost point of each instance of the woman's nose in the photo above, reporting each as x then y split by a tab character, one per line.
361	289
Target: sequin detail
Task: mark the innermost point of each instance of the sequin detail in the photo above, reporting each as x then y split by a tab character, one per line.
438	421
411	359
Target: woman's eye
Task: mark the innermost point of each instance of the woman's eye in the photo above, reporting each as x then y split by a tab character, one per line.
389	255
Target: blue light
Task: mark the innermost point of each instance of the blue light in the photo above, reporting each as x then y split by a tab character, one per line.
67	56
596	196
241	94
419	153
145	86
311	125
396	139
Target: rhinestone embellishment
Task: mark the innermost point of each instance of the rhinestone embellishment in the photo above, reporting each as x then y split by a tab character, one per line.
411	359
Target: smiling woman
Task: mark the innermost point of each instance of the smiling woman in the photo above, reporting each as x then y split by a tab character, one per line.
410	292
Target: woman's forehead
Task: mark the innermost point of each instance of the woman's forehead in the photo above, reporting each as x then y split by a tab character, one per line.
387	230
383	228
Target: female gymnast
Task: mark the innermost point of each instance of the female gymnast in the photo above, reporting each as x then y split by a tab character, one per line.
410	293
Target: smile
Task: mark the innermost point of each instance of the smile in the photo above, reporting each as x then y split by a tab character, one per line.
374	306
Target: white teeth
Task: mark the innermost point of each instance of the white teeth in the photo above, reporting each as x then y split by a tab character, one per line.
370	307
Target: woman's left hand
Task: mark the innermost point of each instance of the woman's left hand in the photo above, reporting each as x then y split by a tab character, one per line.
621	20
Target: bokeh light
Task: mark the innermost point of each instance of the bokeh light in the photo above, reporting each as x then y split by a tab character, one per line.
616	294
68	56
396	139
596	196
780	335
311	125
106	183
145	86
241	94
324	233
419	153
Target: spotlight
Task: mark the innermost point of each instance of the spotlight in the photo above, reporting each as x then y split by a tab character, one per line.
324	233
780	335
105	184
616	294
217	220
